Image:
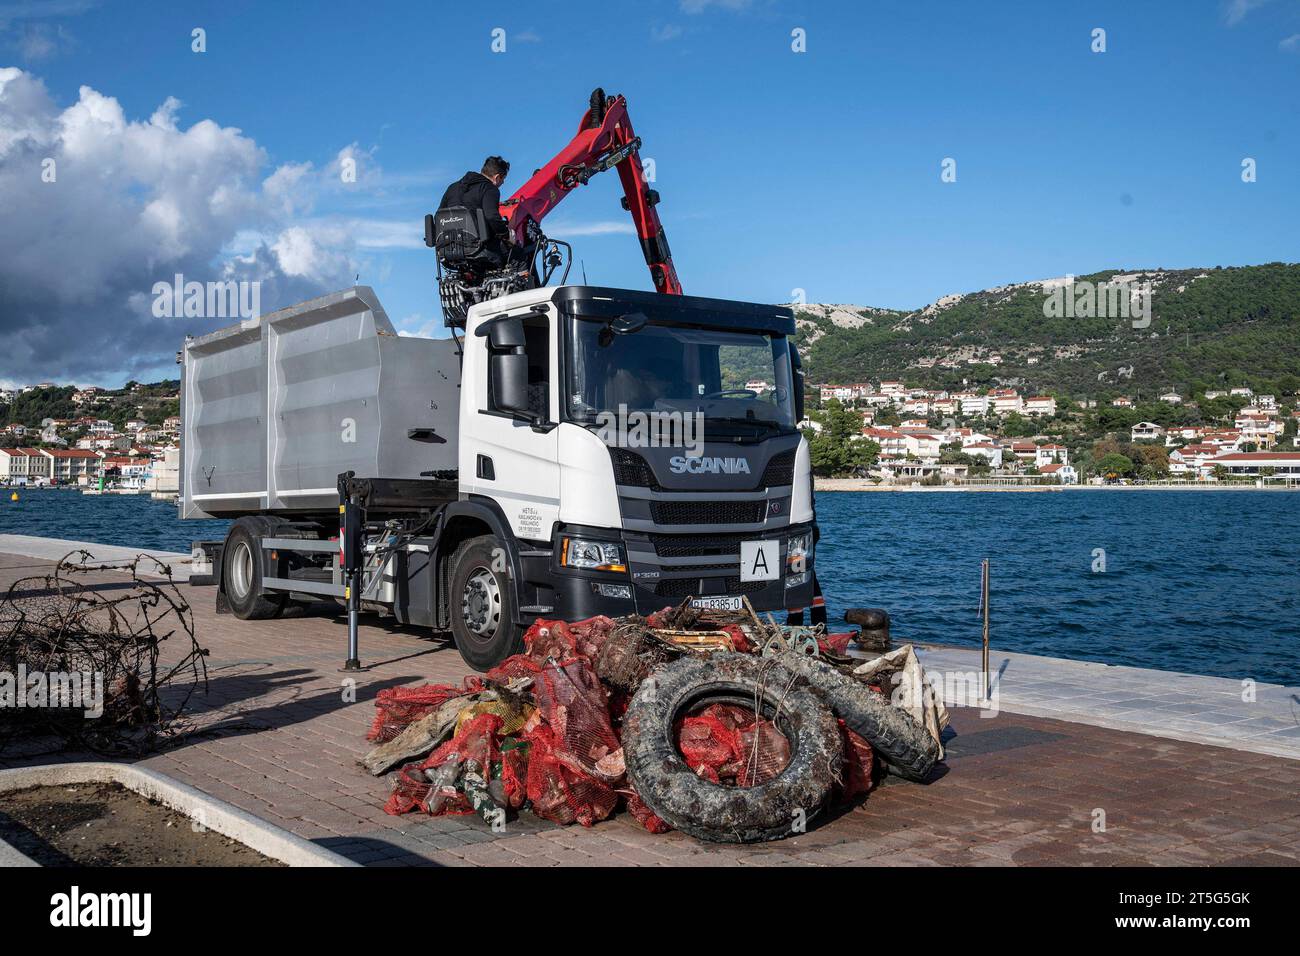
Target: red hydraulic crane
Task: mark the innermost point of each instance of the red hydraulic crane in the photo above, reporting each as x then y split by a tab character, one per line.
605	140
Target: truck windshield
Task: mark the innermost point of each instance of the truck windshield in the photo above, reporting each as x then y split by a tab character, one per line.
740	381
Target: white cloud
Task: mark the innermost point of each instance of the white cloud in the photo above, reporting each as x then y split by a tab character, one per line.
20	10
416	325
666	32
387	233
1234	11
37	41
133	203
1291	44
607	227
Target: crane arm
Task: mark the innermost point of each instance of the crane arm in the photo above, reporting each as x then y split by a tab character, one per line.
605	140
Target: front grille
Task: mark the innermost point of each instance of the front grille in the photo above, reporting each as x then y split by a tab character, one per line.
699	568
632	470
708	512
687	587
780	470
697	546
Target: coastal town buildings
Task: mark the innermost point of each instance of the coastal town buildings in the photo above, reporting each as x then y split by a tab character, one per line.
1259	463
95	444
919	449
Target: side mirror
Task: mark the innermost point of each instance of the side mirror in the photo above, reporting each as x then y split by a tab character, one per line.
429	237
796	367
504	332
509	375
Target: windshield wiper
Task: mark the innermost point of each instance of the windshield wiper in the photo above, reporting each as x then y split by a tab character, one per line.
764	423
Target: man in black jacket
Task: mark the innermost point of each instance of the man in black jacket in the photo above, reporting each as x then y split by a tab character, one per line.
482	190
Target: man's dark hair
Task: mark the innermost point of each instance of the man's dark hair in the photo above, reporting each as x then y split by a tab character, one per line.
495	166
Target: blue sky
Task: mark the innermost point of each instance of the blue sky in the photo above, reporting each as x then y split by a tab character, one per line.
778	170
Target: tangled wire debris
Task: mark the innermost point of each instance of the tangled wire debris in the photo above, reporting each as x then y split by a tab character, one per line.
546	727
82	661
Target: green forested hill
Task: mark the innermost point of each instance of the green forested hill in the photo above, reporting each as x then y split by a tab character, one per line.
152	403
1210	328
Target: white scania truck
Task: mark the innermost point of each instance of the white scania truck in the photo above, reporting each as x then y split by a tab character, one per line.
472	484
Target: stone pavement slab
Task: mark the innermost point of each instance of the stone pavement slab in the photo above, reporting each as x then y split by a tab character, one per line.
1250	716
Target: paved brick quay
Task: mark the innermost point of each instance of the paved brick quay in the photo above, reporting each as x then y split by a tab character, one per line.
275	737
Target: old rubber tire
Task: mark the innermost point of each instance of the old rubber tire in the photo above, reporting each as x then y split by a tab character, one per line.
710	811
482	604
906	747
243	567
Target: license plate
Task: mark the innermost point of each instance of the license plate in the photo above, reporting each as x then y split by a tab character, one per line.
717	603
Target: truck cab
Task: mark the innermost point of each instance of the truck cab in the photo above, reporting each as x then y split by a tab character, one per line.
614	432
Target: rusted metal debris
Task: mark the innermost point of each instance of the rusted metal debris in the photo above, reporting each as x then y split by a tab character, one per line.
83	663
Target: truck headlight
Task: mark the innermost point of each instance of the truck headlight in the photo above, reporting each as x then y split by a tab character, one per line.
592	555
798	557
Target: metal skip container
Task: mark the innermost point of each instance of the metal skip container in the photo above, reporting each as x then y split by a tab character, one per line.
274	409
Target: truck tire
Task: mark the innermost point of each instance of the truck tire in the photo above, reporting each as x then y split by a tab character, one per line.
714	812
482	604
905	746
242	569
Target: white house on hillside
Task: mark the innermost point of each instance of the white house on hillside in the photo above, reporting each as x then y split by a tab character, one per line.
1040	405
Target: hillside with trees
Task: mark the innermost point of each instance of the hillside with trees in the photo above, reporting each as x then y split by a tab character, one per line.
1210	329
152	403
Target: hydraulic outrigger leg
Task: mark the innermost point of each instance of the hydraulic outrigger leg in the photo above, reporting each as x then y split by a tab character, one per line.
352	556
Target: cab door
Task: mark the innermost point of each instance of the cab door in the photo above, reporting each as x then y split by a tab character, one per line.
512	458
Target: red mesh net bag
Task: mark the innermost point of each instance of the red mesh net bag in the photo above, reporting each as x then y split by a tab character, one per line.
397	707
590	634
858	763
739	641
837	644
513	668
725	743
764	751
573	703
644	815
575	758
549	640
561	641
433	786
560	789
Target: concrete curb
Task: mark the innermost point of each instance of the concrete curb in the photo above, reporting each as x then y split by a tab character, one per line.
52	549
9	857
254	832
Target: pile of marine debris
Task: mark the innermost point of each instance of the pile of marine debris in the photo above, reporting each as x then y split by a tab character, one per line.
718	724
82	664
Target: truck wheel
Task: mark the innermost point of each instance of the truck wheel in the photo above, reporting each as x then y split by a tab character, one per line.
242	571
482	605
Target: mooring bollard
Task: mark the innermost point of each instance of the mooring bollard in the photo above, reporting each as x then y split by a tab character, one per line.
873	627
